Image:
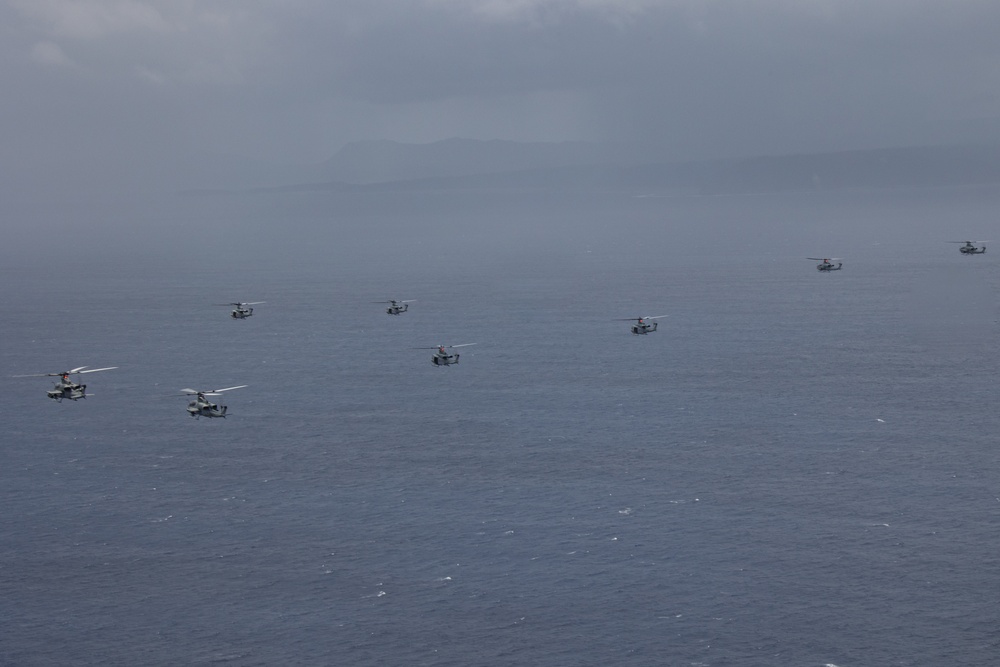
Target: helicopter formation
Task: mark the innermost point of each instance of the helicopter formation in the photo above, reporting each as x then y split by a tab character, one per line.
201	406
966	248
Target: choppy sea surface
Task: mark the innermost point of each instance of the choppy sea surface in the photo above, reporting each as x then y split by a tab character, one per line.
796	469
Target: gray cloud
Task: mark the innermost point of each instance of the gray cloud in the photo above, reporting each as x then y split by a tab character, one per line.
127	81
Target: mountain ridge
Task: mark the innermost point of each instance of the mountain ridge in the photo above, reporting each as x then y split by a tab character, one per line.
579	166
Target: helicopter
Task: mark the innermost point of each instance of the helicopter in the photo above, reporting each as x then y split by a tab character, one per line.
396	307
826	264
66	388
641	326
970	247
441	357
202	407
242	310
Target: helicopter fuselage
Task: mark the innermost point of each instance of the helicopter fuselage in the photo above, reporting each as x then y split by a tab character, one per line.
643	328
397	309
242	313
828	266
69	391
444	359
205	409
972	250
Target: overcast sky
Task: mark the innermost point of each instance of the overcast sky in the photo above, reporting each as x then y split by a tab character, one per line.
112	82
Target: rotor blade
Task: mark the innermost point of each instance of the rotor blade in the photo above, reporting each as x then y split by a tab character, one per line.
407	301
655	317
254	303
462	345
190	391
76	370
94	370
37	375
819	259
215	391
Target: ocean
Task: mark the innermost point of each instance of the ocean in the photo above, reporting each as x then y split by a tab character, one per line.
796	468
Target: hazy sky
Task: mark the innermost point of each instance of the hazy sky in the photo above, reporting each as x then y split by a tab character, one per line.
121	82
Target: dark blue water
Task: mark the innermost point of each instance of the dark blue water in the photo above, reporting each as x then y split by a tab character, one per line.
796	469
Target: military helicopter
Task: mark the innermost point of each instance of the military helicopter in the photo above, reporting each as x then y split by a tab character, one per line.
66	388
442	358
826	264
970	247
242	310
641	326
202	407
396	307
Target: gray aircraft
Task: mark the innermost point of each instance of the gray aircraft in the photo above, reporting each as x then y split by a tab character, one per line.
443	358
202	407
971	247
396	307
641	326
827	264
242	310
66	388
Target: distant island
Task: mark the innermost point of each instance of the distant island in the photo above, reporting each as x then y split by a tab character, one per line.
466	164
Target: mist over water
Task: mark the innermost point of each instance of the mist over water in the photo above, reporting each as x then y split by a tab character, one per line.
796	468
